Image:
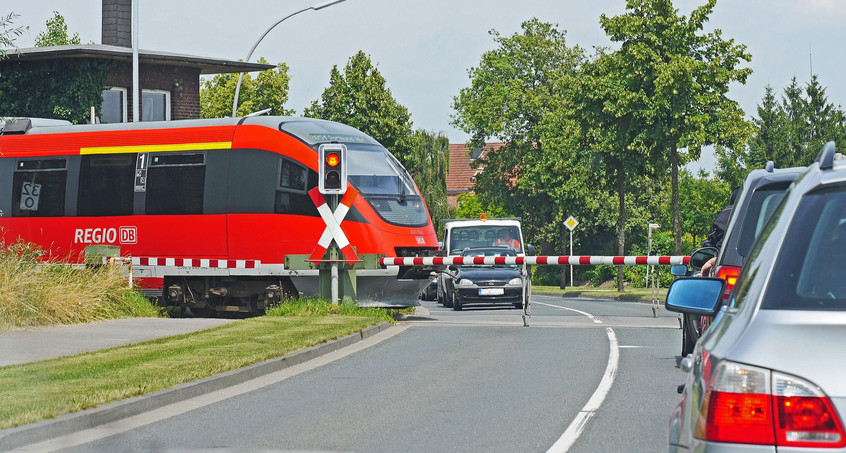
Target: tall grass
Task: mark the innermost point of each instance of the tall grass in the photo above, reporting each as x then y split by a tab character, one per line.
34	293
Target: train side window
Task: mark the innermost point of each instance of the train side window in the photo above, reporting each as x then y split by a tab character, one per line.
106	185
39	188
175	183
292	189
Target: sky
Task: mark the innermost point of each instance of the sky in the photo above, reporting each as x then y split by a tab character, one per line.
424	48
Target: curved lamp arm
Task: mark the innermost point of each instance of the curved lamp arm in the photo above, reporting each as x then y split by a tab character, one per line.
249	55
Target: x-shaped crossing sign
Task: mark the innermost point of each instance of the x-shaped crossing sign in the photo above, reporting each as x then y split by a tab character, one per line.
333	225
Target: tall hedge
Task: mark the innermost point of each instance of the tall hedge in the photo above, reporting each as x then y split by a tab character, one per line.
61	89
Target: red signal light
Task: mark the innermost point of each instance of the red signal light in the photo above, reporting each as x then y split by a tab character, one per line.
333	160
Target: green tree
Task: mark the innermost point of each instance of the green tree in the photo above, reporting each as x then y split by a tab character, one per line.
614	142
700	200
470	207
8	33
359	97
56	33
512	94
428	162
824	121
672	82
768	140
268	90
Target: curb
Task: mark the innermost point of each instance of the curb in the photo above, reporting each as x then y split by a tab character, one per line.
69	423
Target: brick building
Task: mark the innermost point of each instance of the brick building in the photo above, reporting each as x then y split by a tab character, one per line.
169	83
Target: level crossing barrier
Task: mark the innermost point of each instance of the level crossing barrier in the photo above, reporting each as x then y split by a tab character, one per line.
544	260
535	260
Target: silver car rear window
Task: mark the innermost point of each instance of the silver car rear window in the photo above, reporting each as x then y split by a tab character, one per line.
810	273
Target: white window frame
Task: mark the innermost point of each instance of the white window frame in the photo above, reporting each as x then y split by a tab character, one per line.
167	102
124	115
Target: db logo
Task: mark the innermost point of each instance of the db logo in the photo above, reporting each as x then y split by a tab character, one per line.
128	235
124	234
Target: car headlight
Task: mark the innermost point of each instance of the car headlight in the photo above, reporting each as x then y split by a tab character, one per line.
516	281
465	282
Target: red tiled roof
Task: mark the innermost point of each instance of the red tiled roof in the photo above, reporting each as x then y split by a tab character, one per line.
462	169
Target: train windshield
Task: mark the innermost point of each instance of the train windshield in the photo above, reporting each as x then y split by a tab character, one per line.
386	185
371	169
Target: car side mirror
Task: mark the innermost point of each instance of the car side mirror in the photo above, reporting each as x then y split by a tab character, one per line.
530	250
696	295
701	256
679	270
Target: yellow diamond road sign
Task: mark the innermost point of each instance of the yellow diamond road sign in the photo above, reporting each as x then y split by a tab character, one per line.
571	223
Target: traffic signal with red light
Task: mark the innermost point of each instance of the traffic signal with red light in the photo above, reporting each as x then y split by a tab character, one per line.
332	168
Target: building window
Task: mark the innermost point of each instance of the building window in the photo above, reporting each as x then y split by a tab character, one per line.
155	105
106	183
39	188
113	109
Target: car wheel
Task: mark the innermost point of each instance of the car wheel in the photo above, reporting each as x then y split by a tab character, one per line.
456	303
448	300
439	298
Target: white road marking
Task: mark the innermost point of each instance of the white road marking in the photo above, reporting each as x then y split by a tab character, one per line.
575	429
592	317
130	423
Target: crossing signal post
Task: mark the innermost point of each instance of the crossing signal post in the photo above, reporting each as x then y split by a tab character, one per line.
332	169
332	176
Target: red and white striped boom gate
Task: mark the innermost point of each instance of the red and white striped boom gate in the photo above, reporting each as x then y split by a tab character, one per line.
536	260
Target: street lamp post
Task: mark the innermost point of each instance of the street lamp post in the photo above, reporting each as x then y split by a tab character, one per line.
249	55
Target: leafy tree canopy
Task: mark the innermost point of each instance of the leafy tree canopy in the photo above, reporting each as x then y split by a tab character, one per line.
512	94
359	97
56	33
671	83
268	90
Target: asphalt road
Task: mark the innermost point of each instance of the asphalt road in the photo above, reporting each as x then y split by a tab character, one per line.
586	376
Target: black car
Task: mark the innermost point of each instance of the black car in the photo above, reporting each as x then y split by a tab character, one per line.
762	192
487	284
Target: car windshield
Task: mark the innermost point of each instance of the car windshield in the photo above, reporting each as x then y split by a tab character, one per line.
810	267
507	237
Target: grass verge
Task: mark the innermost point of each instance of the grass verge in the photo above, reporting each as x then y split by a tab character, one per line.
609	293
34	293
42	390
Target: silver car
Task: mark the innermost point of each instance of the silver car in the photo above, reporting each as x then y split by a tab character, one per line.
768	375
